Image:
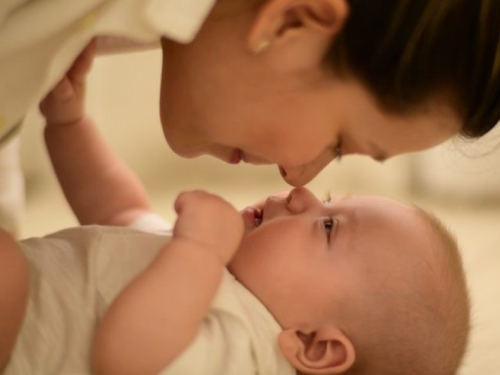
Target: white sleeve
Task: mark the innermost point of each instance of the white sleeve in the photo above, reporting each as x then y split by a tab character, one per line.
151	223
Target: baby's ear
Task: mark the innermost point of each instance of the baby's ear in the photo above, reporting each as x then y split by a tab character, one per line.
325	351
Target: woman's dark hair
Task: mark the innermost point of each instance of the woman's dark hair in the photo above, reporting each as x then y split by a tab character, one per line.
406	50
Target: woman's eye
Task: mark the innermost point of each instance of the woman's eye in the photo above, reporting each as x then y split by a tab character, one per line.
337	150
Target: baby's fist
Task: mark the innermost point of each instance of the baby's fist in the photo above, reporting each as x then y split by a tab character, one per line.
64	104
209	221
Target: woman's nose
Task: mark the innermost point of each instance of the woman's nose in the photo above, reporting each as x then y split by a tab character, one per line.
296	176
302	174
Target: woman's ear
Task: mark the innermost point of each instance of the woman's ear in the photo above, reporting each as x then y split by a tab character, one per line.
325	351
303	27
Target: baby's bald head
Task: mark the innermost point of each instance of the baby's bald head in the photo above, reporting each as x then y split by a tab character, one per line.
418	324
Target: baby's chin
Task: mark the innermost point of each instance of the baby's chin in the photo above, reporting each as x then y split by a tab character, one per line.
232	266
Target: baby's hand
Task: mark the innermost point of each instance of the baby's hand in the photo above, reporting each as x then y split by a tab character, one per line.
65	104
209	221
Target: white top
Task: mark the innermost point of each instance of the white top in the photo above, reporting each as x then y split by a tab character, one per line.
75	274
238	337
39	40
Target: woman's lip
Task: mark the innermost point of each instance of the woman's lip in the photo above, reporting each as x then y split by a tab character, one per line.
236	157
244	157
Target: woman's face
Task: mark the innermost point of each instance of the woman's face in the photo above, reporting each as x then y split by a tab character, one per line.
281	106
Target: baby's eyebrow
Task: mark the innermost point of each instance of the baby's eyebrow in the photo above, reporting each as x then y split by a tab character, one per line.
328	197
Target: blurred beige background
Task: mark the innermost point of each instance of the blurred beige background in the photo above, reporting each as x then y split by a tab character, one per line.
460	182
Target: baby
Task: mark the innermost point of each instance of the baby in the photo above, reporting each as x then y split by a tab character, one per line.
293	285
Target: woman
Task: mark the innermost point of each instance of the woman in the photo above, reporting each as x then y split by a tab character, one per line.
294	83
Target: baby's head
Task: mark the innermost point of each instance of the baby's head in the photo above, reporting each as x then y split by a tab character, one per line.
360	285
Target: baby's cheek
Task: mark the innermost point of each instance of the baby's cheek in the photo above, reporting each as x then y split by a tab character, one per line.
253	259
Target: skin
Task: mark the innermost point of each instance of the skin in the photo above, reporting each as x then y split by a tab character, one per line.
350	243
302	262
307	258
273	260
281	105
13	294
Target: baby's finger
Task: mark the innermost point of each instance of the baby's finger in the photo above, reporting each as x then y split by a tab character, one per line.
82	64
179	202
189	197
62	92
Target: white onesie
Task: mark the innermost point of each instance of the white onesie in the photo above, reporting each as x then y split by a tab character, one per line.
76	274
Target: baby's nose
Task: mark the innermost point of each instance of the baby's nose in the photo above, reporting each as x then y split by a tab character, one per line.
274	206
300	200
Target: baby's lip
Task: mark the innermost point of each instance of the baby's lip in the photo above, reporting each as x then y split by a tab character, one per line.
252	217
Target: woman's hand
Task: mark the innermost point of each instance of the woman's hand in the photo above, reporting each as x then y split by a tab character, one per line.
210	222
65	104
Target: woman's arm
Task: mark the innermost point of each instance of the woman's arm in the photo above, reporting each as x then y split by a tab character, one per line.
98	186
158	315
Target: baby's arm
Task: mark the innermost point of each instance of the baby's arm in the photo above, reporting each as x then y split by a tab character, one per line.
13	294
98	186
158	315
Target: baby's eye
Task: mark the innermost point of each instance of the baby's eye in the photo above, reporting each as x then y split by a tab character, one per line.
328	224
